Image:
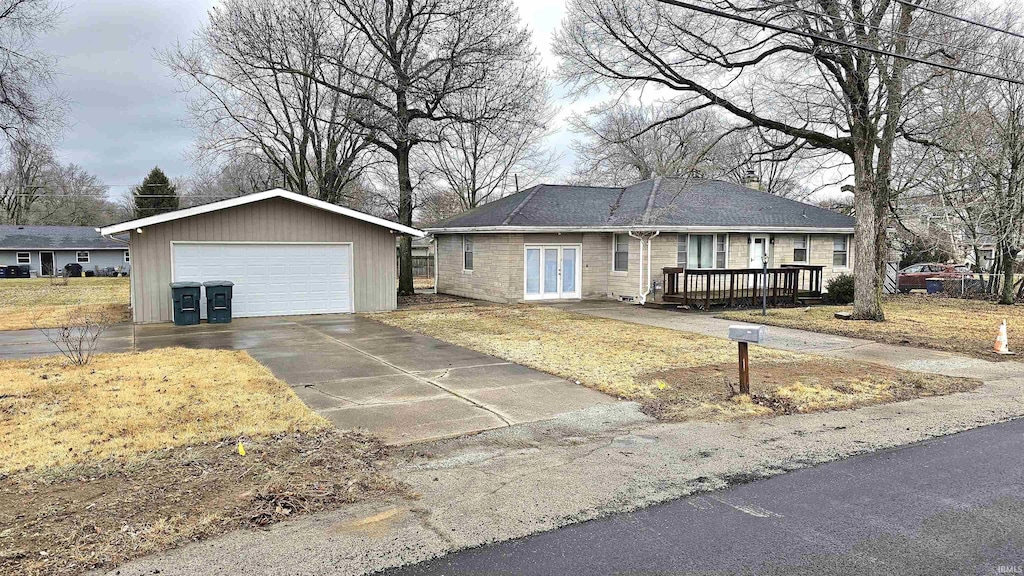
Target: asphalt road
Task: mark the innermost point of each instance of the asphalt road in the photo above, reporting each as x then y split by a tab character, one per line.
953	505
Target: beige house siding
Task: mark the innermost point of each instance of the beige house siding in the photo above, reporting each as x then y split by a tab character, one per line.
274	220
498	276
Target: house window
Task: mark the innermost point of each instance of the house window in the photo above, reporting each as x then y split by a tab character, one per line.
467	253
707	250
681	250
82	257
800	249
621	259
127	257
24	258
839	251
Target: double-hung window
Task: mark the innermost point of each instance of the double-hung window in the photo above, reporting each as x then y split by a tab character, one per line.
681	253
801	246
840	254
82	257
620	257
24	258
707	250
467	253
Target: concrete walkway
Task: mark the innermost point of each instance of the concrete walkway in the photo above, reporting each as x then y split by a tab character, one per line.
361	374
905	357
516	481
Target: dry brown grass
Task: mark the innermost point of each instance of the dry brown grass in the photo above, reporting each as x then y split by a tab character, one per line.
954	325
25	300
123	405
138	452
645	363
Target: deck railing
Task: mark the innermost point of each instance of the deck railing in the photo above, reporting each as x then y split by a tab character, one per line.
743	286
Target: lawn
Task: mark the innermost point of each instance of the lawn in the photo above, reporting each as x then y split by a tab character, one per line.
951	324
29	302
139	452
674	375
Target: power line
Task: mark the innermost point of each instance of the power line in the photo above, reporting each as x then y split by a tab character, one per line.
910	36
827	40
960	18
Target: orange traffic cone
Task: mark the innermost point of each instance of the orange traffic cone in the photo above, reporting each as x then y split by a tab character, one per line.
1002	346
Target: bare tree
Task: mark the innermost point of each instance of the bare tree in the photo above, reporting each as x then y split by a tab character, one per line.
839	82
71	196
23	180
623	143
478	162
982	152
27	99
407	64
245	109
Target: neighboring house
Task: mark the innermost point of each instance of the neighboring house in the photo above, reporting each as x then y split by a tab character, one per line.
286	253
553	242
47	249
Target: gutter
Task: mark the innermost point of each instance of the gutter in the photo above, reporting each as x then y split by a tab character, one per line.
625	229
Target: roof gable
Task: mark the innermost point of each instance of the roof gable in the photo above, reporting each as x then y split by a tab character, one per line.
661	203
257	197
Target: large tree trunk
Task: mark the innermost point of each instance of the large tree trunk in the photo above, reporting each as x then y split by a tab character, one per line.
1008	259
869	243
405	284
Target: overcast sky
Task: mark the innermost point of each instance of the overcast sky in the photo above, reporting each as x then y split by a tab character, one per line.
126	114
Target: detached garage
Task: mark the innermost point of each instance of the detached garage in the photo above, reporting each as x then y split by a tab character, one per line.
287	254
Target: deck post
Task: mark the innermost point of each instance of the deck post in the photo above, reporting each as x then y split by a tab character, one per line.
732	286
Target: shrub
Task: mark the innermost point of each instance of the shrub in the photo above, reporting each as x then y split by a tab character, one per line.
840	289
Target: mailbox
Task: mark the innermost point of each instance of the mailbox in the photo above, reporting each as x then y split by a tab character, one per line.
750	334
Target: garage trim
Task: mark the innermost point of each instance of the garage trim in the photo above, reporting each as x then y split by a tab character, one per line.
352	258
257	197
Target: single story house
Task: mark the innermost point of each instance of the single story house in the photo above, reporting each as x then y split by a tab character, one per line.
570	242
47	249
287	254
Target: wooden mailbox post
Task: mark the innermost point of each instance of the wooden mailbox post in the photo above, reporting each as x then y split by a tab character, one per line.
746	335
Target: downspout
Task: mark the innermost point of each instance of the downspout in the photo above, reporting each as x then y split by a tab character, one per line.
641	296
131	281
641	291
433	240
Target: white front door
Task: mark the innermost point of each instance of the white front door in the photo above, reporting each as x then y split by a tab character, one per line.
271	279
758	248
552	272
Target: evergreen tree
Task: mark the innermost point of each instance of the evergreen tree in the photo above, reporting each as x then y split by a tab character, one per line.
155	195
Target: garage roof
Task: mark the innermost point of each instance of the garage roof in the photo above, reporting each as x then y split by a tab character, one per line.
257	197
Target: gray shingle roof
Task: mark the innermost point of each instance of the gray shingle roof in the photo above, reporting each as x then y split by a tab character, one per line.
54	237
660	202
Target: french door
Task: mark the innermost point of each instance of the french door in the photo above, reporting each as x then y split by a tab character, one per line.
552	272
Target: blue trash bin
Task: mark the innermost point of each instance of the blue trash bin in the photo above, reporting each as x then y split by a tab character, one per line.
934	285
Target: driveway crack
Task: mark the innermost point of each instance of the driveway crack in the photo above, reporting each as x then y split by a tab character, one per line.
438	385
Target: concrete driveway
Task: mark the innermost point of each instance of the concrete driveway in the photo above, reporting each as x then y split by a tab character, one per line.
361	374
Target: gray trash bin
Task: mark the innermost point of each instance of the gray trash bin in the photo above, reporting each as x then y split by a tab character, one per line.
185	297
218	301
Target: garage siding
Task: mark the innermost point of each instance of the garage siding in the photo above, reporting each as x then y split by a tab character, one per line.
274	220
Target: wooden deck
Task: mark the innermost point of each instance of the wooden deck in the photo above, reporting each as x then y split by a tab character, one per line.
784	286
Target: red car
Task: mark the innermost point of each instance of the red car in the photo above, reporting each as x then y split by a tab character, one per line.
913	277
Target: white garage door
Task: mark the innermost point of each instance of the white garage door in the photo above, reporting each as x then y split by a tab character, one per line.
272	279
